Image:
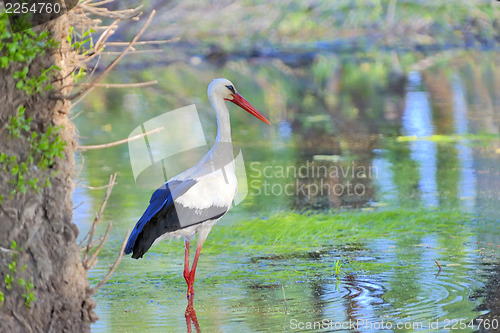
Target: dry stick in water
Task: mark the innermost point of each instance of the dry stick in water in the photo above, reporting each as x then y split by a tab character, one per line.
119	142
98	217
439	266
112	268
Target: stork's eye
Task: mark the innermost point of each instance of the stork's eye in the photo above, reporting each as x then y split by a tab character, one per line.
231	88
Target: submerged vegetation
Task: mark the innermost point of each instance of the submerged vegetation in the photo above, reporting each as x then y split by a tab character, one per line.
319	259
287	236
293	232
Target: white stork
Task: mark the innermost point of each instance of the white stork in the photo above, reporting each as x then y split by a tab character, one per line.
193	201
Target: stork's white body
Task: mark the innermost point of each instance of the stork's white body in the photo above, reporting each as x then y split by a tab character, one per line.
216	185
193	201
210	190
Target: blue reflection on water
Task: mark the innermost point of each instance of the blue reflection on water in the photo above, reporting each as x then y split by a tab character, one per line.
467	185
417	121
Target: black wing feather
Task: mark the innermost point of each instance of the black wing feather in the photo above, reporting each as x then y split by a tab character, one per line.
164	215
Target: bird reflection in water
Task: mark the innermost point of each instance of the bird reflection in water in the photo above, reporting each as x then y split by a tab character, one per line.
190	315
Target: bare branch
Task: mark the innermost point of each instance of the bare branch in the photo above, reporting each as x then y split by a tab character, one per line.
98	217
78	206
87	89
96	65
95	187
125	85
154	42
112	268
77	114
134	51
99	3
93	259
105	35
119	142
104	12
94	243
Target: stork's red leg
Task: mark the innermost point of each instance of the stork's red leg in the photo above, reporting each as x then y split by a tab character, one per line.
186	262
193	270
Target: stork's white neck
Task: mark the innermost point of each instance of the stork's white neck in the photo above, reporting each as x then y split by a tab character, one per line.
222	116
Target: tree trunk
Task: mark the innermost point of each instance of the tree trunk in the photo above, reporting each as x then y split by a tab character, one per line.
40	222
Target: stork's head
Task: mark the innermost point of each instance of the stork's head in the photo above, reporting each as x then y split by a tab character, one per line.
225	89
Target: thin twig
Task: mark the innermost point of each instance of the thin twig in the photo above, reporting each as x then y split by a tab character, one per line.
112	269
98	217
97	241
154	42
77	114
134	51
79	100
125	85
93	258
83	241
105	35
119	142
115	62
78	206
95	187
104	12
99	3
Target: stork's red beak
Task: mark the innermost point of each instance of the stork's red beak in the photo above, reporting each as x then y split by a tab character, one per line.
245	105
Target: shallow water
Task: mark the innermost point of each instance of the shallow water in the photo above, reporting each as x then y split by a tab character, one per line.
433	146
